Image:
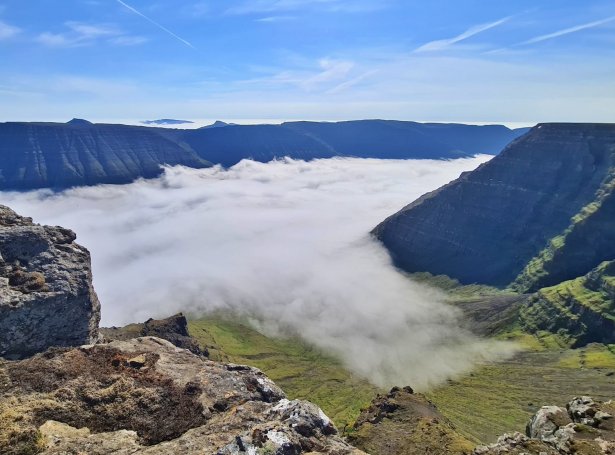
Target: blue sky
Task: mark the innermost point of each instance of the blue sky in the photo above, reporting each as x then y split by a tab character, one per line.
442	60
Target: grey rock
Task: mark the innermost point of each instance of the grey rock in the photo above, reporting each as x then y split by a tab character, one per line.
546	422
46	293
585	427
516	444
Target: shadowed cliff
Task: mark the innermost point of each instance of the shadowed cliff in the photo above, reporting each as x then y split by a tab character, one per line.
540	211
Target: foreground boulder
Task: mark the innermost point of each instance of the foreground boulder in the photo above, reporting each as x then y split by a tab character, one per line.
46	293
584	427
147	396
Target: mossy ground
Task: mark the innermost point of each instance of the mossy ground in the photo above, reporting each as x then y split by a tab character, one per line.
493	399
302	371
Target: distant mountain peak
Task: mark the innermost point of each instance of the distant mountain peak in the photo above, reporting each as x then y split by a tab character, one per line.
216	124
79	121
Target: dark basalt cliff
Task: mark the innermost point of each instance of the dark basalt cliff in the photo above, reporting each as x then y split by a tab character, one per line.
540	212
363	138
58	155
61	155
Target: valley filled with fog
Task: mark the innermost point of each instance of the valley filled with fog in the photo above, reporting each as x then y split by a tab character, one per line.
285	244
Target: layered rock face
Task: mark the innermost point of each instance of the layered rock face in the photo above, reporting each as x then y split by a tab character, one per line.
364	138
550	189
54	155
46	293
582	309
146	396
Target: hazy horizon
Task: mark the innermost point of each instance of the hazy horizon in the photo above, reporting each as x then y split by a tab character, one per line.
200	122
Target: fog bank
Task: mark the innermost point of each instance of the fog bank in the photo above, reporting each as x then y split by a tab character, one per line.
285	243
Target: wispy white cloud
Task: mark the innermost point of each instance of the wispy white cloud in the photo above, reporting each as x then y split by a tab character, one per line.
92	31
330	71
153	22
351	82
84	34
569	30
8	31
442	44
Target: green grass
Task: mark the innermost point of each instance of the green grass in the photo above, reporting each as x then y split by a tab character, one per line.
538	270
303	372
455	290
500	398
591	356
494	399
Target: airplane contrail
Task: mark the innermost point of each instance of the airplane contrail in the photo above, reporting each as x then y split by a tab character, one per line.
566	31
187	43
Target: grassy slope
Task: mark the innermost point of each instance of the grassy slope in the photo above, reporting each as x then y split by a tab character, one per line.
580	310
494	399
302	371
500	398
587	223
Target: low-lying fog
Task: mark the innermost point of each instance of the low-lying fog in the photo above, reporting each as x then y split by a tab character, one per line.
285	243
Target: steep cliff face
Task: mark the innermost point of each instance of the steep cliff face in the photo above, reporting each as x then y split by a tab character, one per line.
364	138
46	293
488	225
55	155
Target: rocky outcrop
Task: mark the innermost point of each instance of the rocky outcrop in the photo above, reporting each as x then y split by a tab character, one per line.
46	293
584	427
146	396
61	155
489	225
402	422
173	329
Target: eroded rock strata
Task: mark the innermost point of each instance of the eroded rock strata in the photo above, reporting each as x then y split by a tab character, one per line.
541	210
62	155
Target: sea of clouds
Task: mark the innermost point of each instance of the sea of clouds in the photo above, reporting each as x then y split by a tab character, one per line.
285	244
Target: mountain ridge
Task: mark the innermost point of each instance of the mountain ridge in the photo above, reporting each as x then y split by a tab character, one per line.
61	155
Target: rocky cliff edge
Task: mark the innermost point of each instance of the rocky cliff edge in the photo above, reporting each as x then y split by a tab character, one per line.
46	293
